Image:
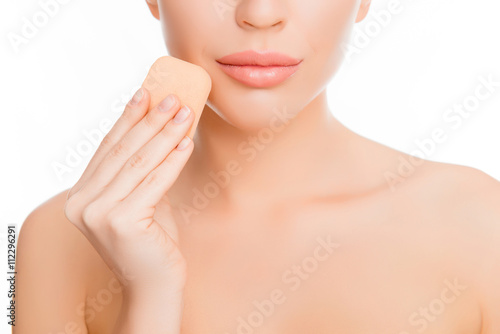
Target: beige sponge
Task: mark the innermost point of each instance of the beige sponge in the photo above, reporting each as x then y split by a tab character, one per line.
190	82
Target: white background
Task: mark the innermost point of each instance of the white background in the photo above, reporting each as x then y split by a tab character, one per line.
84	64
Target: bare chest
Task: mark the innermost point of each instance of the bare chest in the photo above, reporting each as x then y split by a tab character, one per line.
310	278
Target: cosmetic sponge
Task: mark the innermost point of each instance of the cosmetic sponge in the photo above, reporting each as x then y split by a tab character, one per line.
190	82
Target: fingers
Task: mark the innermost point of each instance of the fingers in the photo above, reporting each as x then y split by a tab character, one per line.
140	164
155	185
133	140
134	111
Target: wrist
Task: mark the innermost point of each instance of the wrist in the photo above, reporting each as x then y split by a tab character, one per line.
149	292
151	311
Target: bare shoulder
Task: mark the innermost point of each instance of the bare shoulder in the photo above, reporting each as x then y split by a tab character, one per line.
54	264
462	196
477	198
463	191
467	202
469	190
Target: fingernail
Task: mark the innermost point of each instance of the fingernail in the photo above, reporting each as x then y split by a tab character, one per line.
184	143
137	97
182	115
167	103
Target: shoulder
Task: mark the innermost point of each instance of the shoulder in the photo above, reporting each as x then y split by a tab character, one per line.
460	196
467	203
472	198
478	202
443	183
47	230
464	191
54	261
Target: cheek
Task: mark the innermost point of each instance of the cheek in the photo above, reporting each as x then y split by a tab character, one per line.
186	26
326	23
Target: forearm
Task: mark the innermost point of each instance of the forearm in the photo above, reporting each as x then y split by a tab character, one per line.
152	311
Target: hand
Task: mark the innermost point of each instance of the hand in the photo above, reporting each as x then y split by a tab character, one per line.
113	203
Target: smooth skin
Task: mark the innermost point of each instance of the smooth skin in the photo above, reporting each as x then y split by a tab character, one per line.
290	230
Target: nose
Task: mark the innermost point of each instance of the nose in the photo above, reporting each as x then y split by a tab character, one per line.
261	14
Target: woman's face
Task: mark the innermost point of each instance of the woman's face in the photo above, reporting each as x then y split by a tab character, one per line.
202	31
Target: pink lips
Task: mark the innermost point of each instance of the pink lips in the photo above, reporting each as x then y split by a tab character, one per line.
259	69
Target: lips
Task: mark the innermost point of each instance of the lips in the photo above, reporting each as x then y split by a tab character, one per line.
259	69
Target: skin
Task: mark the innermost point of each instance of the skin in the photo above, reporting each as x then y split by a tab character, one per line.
418	255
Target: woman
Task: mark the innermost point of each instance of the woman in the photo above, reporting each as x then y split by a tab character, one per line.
277	219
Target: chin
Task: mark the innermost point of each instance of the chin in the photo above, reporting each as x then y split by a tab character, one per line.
250	110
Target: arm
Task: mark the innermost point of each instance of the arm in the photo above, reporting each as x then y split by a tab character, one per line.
153	311
51	276
486	213
489	281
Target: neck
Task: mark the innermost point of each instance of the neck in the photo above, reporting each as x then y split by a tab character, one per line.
295	158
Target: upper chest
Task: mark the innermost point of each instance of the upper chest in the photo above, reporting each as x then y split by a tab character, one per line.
314	273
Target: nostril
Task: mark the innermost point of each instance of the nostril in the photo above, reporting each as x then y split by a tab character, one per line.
261	25
248	23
